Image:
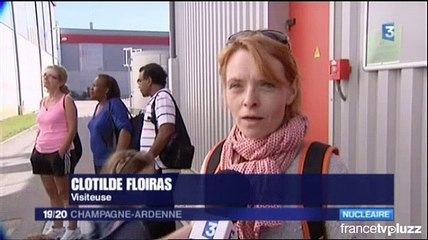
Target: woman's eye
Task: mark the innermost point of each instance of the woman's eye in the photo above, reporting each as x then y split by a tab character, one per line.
234	85
268	85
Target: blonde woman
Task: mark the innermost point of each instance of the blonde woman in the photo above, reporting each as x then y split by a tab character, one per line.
53	157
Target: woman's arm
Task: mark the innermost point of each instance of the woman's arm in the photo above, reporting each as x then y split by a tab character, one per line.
120	118
123	140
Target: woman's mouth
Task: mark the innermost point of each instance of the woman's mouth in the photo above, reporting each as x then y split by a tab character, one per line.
252	118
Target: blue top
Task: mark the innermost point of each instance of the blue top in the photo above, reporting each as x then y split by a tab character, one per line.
101	124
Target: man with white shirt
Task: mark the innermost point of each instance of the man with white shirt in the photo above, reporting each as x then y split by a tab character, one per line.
151	82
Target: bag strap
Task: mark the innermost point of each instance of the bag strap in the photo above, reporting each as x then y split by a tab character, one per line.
315	159
178	116
130	116
153	117
76	138
111	116
214	158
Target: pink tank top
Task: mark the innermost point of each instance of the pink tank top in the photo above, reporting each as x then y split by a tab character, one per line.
52	127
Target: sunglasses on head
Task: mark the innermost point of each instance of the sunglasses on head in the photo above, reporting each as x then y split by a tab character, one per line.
272	34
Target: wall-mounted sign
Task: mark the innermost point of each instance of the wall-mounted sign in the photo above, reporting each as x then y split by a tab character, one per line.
395	35
384	45
317	53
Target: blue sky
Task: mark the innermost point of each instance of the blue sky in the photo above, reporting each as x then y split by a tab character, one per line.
143	16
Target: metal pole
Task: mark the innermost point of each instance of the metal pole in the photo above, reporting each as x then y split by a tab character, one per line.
172	51
40	31
127	64
130	85
18	75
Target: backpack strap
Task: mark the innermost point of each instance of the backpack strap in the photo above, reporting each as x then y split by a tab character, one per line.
153	116
315	158
154	119
213	159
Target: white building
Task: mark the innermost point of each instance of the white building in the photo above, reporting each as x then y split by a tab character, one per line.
28	43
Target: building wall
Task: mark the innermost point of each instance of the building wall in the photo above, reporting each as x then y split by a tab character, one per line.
86	53
382	126
30	75
202	29
8	74
25	49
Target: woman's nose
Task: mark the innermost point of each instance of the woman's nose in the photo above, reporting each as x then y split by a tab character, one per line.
251	98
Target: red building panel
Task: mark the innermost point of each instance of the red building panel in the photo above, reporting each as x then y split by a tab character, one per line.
109	39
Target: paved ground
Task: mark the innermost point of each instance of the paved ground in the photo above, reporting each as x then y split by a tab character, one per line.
20	190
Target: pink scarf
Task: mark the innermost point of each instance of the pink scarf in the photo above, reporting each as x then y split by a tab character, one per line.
272	154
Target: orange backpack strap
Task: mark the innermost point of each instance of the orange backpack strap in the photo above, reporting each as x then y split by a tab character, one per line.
213	159
315	158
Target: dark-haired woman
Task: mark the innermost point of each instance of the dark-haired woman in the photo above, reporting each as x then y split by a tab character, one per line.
109	127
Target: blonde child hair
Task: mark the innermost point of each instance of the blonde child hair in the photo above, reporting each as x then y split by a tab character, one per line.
128	161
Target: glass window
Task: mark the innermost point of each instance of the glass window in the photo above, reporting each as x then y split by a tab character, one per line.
55	31
41	23
19	9
48	26
6	14
25	20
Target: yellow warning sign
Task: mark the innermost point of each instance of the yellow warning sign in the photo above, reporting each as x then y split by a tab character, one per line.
317	53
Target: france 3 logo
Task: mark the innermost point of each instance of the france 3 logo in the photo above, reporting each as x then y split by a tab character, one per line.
219	230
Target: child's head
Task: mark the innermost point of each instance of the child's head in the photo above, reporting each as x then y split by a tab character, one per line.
128	161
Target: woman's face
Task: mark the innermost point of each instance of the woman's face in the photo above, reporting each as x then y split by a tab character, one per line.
98	90
257	104
51	79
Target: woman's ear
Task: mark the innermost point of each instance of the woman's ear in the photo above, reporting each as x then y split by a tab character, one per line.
291	93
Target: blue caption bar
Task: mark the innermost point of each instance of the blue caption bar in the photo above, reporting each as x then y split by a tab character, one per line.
168	214
233	190
366	214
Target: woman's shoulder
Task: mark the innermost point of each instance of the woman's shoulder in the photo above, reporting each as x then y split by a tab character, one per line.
116	103
115	100
335	165
68	101
69	97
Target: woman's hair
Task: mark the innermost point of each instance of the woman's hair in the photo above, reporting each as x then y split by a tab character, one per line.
62	76
127	161
261	47
110	83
